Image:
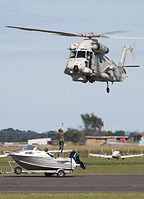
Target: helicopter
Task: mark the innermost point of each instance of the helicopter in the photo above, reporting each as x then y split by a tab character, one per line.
88	62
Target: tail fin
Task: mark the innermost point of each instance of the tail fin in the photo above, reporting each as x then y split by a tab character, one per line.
123	56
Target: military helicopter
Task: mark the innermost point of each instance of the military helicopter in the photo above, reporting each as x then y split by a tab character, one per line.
88	62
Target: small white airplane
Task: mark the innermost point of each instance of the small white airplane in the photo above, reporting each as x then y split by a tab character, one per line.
115	154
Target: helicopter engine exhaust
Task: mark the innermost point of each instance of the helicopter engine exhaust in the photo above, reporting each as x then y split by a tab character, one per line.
100	48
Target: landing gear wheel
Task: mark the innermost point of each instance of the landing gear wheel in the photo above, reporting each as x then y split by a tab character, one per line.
61	173
18	170
48	174
108	90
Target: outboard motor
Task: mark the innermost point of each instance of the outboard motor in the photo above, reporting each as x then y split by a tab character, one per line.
75	156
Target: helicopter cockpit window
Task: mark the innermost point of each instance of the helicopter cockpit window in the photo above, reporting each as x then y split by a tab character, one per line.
81	54
72	54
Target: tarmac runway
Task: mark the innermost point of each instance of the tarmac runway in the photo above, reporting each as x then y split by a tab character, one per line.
72	184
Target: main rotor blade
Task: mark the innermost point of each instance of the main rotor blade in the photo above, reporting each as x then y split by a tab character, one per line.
122	37
49	31
89	35
114	32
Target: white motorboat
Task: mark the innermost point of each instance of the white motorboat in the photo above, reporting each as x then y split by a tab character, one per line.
35	160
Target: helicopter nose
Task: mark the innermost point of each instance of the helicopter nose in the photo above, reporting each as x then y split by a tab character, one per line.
75	68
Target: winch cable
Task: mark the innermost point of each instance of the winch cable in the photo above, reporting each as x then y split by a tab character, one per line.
64	103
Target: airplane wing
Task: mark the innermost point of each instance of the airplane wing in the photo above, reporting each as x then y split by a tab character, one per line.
131	156
99	155
59	151
4	155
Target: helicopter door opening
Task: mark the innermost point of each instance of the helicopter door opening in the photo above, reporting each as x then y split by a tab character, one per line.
89	58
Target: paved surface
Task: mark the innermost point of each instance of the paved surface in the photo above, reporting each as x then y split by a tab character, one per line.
72	184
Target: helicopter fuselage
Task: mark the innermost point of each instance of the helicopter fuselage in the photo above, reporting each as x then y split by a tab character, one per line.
87	63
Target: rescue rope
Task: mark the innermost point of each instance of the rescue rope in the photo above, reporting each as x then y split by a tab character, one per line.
64	103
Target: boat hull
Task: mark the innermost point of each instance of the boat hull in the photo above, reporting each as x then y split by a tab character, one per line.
44	163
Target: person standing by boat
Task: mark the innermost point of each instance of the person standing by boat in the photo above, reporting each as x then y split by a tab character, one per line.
61	139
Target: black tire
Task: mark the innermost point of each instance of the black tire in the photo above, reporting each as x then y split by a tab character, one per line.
61	173
48	174
108	90
18	170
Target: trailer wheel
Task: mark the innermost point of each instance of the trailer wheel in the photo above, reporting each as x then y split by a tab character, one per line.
18	170
48	174
61	173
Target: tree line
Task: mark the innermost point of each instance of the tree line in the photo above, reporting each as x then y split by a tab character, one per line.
11	135
92	126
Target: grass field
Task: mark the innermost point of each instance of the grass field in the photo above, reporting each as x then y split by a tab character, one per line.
75	196
97	165
94	166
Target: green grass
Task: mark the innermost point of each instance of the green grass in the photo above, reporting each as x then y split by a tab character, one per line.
96	165
75	196
100	166
113	166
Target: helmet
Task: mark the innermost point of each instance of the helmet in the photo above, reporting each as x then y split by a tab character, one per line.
46	149
60	130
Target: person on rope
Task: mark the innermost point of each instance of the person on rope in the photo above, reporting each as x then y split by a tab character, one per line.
61	139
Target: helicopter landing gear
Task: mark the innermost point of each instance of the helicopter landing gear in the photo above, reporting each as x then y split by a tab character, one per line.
107	88
89	78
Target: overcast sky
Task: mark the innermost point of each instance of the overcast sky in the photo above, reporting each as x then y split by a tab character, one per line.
35	94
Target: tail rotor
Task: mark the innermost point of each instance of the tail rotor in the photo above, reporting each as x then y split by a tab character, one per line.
131	53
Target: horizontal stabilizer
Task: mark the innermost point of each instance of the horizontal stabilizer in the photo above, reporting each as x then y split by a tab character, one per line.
131	66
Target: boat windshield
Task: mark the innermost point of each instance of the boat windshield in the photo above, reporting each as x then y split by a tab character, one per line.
30	148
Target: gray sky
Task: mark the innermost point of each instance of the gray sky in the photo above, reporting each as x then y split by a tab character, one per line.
35	94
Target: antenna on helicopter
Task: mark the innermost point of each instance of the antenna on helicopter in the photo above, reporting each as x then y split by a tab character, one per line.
132	54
